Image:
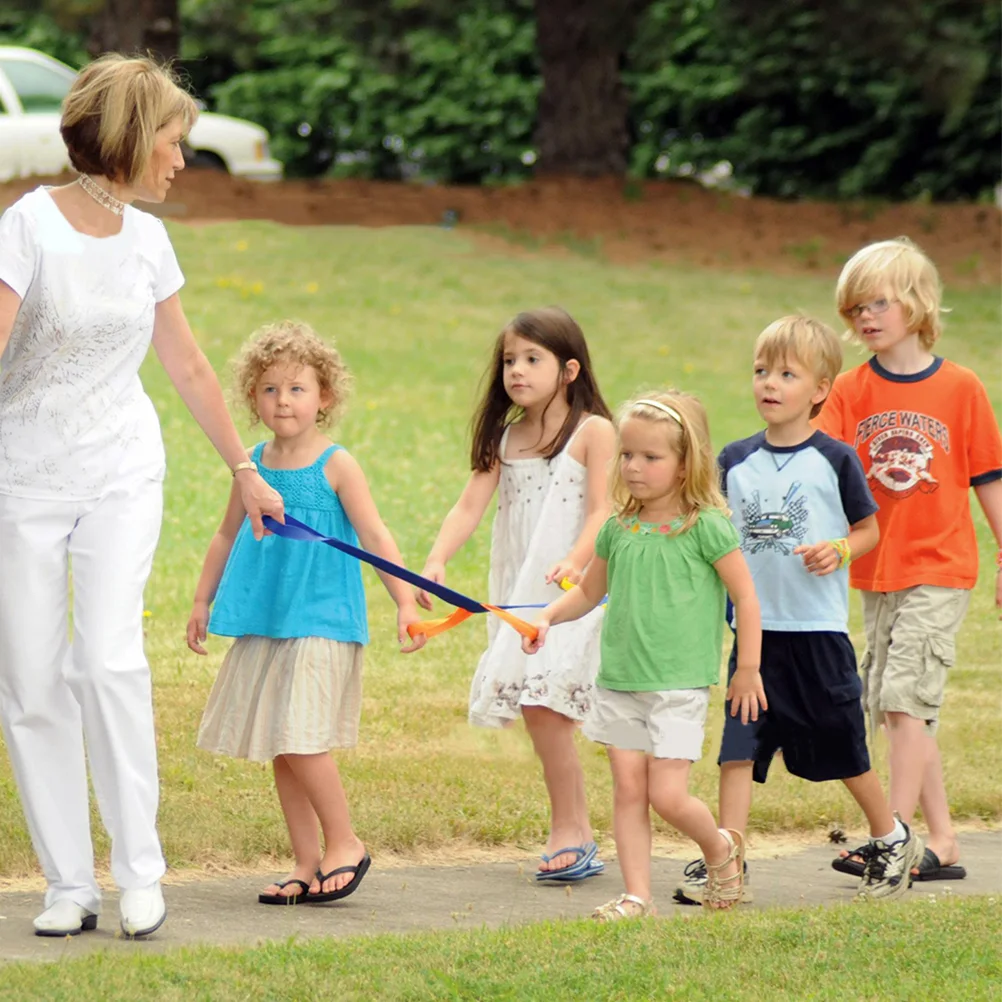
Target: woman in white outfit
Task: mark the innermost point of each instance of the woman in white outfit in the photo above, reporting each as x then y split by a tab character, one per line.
86	283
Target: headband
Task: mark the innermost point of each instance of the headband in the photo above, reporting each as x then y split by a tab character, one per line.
670	411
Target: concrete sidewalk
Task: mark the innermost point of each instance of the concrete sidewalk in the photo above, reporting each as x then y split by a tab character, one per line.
418	898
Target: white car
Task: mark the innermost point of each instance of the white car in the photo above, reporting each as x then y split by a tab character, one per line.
32	88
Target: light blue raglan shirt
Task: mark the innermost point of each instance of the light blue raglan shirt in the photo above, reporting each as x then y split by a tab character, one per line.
781	498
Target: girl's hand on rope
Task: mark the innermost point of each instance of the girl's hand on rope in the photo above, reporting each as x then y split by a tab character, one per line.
406	616
563	569
531	646
434	571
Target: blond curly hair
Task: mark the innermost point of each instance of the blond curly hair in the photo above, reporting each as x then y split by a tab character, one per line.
292	342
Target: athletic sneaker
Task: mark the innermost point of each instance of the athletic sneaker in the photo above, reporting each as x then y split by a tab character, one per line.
690	891
887	867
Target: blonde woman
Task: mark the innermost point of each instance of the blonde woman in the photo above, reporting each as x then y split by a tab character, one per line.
87	282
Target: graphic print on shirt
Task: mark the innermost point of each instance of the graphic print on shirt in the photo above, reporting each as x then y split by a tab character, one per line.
901	453
780	530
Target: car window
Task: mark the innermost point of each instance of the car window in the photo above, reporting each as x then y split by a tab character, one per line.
39	87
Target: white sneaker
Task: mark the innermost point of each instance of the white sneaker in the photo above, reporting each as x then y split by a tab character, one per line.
65	918
888	868
143	911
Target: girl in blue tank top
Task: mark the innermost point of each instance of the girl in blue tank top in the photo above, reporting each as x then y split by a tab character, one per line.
290	687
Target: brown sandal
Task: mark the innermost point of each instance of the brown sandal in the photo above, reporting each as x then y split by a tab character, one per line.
723	893
613	911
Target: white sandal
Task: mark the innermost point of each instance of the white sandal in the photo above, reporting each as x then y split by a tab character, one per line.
613	911
723	893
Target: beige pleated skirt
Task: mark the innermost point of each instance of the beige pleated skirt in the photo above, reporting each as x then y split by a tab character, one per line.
284	697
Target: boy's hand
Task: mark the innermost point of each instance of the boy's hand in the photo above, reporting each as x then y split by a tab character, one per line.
563	569
434	572
746	694
531	646
405	616
197	624
819	558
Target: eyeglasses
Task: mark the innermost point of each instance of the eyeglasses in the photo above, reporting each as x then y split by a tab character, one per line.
877	307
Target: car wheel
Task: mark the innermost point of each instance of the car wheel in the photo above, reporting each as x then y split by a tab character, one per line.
206	160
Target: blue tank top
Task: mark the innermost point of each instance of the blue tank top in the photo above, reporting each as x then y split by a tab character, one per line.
286	588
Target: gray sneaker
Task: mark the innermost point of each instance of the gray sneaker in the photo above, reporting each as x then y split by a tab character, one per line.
887	868
690	890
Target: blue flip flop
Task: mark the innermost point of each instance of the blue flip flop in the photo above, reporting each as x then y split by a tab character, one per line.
578	870
593	869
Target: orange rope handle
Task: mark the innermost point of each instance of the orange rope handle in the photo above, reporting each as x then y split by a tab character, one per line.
433	627
526	629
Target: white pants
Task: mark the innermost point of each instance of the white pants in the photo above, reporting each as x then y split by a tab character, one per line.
56	696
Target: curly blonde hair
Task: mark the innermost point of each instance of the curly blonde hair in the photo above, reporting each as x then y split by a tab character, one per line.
699	488
296	343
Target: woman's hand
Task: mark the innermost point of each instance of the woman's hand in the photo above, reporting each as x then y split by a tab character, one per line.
434	571
198	624
259	498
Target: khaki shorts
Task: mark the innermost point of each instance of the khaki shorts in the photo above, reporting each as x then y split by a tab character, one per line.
910	646
665	724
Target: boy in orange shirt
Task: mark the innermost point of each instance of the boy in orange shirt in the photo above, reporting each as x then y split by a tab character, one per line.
926	433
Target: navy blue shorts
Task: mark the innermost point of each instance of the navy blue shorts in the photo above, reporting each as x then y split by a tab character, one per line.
815	710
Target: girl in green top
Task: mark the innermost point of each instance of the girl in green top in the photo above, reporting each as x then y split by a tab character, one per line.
664	559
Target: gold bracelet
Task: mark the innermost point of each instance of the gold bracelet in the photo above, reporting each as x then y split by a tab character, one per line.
841	547
248	465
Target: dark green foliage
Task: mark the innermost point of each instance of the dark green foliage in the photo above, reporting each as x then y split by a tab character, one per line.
822	98
804	98
443	100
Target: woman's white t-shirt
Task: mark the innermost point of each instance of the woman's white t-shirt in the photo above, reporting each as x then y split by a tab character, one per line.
74	418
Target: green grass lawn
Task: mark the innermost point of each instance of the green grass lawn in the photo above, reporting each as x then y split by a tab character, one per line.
415	313
920	949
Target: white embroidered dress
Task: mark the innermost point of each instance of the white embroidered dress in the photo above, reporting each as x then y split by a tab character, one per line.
541	512
74	418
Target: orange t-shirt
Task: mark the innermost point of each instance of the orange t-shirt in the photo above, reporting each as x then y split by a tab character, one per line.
924	441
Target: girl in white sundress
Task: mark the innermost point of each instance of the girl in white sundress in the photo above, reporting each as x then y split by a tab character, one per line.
544	440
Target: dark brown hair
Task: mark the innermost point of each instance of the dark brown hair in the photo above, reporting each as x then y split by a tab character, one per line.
555	330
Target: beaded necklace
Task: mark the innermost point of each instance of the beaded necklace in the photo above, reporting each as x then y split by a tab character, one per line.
101	196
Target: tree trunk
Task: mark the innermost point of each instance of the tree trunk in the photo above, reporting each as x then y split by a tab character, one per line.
137	27
581	126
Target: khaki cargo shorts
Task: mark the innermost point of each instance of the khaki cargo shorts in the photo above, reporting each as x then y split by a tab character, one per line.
910	646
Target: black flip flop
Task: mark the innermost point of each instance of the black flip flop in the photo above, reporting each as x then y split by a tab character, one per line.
285	899
854	867
360	869
930	868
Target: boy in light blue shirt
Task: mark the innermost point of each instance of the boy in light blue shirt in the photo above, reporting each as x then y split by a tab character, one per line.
802	506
